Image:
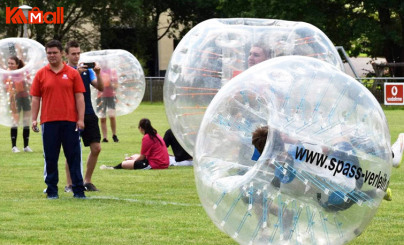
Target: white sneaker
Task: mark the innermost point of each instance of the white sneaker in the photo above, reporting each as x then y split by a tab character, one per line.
27	149
15	149
398	149
104	167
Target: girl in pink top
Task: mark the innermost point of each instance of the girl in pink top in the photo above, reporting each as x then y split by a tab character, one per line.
18	89
153	153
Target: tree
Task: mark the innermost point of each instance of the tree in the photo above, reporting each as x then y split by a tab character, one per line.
11	30
143	17
76	14
386	38
132	24
373	27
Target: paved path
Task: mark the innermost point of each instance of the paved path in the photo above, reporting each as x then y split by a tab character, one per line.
362	66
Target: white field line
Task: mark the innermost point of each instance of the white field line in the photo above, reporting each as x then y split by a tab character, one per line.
148	202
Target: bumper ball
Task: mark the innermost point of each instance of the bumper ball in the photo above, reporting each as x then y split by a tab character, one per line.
216	50
15	102
325	161
124	82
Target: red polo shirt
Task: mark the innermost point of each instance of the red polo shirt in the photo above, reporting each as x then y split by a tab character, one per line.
57	91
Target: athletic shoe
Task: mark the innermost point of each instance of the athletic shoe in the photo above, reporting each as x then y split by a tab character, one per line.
398	149
115	138
15	149
389	195
80	196
104	167
68	188
105	140
27	149
90	187
53	196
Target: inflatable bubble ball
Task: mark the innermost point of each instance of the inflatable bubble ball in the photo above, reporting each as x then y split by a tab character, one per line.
19	62
216	50
124	82
292	151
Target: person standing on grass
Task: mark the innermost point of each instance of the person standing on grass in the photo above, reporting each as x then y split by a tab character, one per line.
91	134
153	153
18	89
106	102
59	88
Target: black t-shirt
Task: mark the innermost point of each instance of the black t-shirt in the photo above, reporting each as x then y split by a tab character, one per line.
179	153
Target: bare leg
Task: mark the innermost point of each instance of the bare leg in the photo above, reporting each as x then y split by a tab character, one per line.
113	124
104	127
16	119
95	149
26	117
14	113
133	157
129	164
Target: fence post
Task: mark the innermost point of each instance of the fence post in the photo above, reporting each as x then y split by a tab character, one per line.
150	82
151	89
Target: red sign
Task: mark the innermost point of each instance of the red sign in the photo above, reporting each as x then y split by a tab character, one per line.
35	16
394	93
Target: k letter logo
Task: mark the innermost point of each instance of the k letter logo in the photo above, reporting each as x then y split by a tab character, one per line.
35	16
15	16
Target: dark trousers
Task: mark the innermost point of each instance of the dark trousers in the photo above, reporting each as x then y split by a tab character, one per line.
54	135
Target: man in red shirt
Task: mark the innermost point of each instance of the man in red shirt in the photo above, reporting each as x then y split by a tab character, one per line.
60	90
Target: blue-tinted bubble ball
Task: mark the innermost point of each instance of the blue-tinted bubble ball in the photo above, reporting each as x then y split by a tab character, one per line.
123	78
325	162
216	50
15	101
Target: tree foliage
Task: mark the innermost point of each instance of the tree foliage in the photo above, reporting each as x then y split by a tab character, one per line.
77	14
132	24
373	27
144	16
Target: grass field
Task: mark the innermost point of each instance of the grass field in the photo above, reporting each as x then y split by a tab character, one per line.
136	207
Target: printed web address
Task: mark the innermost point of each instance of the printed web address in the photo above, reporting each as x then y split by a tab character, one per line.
340	167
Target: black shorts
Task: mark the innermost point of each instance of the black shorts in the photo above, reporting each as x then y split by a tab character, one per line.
23	103
91	131
141	164
105	102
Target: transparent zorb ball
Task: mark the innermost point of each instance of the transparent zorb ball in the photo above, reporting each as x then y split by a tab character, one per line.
15	101
216	50
326	159
124	82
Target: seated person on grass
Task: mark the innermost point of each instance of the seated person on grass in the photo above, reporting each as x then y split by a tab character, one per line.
153	153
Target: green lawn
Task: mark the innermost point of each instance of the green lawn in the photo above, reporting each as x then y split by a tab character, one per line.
135	207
